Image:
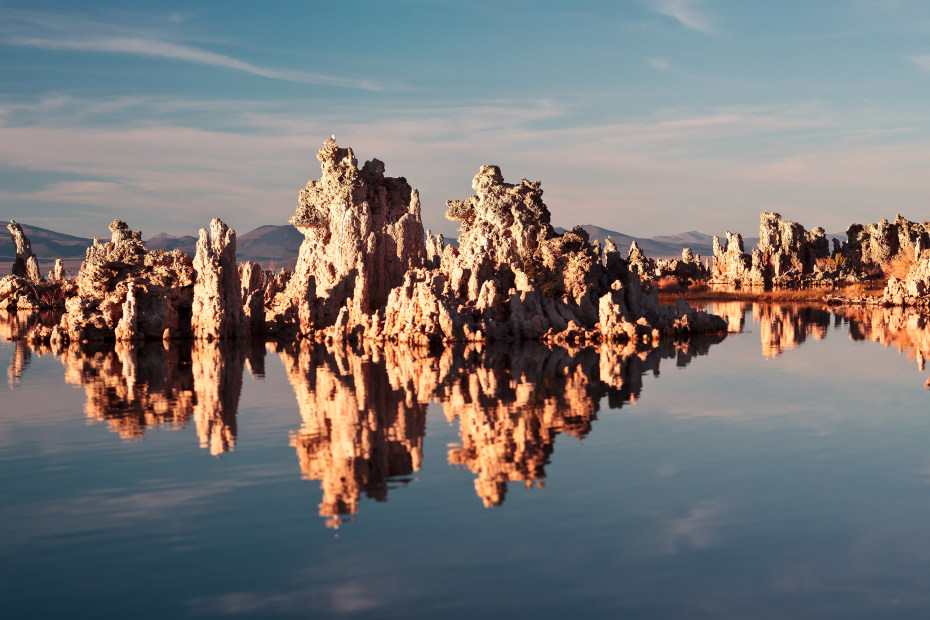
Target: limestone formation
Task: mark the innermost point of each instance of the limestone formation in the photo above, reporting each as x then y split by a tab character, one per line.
252	279
786	255
217	312
883	242
366	269
26	265
914	289
731	264
161	282
58	273
362	233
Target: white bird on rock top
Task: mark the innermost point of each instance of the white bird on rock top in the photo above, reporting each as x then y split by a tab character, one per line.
330	141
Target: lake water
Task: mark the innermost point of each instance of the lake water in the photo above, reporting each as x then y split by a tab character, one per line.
783	472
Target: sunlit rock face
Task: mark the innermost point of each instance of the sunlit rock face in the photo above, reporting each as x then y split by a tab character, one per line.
914	289
514	278
786	248
786	254
366	272
882	242
25	265
162	284
25	289
217	312
362	233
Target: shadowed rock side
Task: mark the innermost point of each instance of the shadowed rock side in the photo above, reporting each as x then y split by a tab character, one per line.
363	408
365	271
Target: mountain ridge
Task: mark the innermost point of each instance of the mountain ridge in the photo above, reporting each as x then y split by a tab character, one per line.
280	244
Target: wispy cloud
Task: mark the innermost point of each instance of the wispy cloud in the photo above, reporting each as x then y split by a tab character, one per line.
660	64
690	13
25	29
921	61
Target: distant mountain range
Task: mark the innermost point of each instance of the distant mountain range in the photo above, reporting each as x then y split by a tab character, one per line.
265	245
279	245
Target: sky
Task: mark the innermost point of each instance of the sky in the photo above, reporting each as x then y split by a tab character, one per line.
649	117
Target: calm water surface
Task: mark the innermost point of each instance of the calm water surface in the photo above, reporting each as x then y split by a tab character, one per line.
783	472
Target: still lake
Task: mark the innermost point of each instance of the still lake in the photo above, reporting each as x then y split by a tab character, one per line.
781	472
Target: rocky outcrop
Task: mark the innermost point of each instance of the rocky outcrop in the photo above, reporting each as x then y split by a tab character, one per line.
787	249
731	264
366	270
217	312
687	269
362	234
883	242
786	255
914	289
252	279
26	265
162	291
58	272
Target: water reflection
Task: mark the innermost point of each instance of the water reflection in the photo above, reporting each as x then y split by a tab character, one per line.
782	326
13	327
360	427
907	330
137	387
363	410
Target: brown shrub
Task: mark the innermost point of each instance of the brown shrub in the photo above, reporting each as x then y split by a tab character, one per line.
898	267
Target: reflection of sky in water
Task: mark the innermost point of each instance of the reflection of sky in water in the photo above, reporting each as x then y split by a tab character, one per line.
739	485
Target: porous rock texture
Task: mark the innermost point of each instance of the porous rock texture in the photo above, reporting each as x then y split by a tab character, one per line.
786	255
362	233
25	289
217	303
882	242
26	265
914	289
159	305
365	270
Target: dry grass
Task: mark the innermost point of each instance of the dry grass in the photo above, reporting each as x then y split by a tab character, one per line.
898	267
759	294
831	264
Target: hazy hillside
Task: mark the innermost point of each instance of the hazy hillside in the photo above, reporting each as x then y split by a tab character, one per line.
669	246
277	246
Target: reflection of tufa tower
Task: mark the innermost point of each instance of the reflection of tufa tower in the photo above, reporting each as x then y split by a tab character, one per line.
359	429
135	387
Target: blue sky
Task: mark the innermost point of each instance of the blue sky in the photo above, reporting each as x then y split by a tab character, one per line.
644	116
